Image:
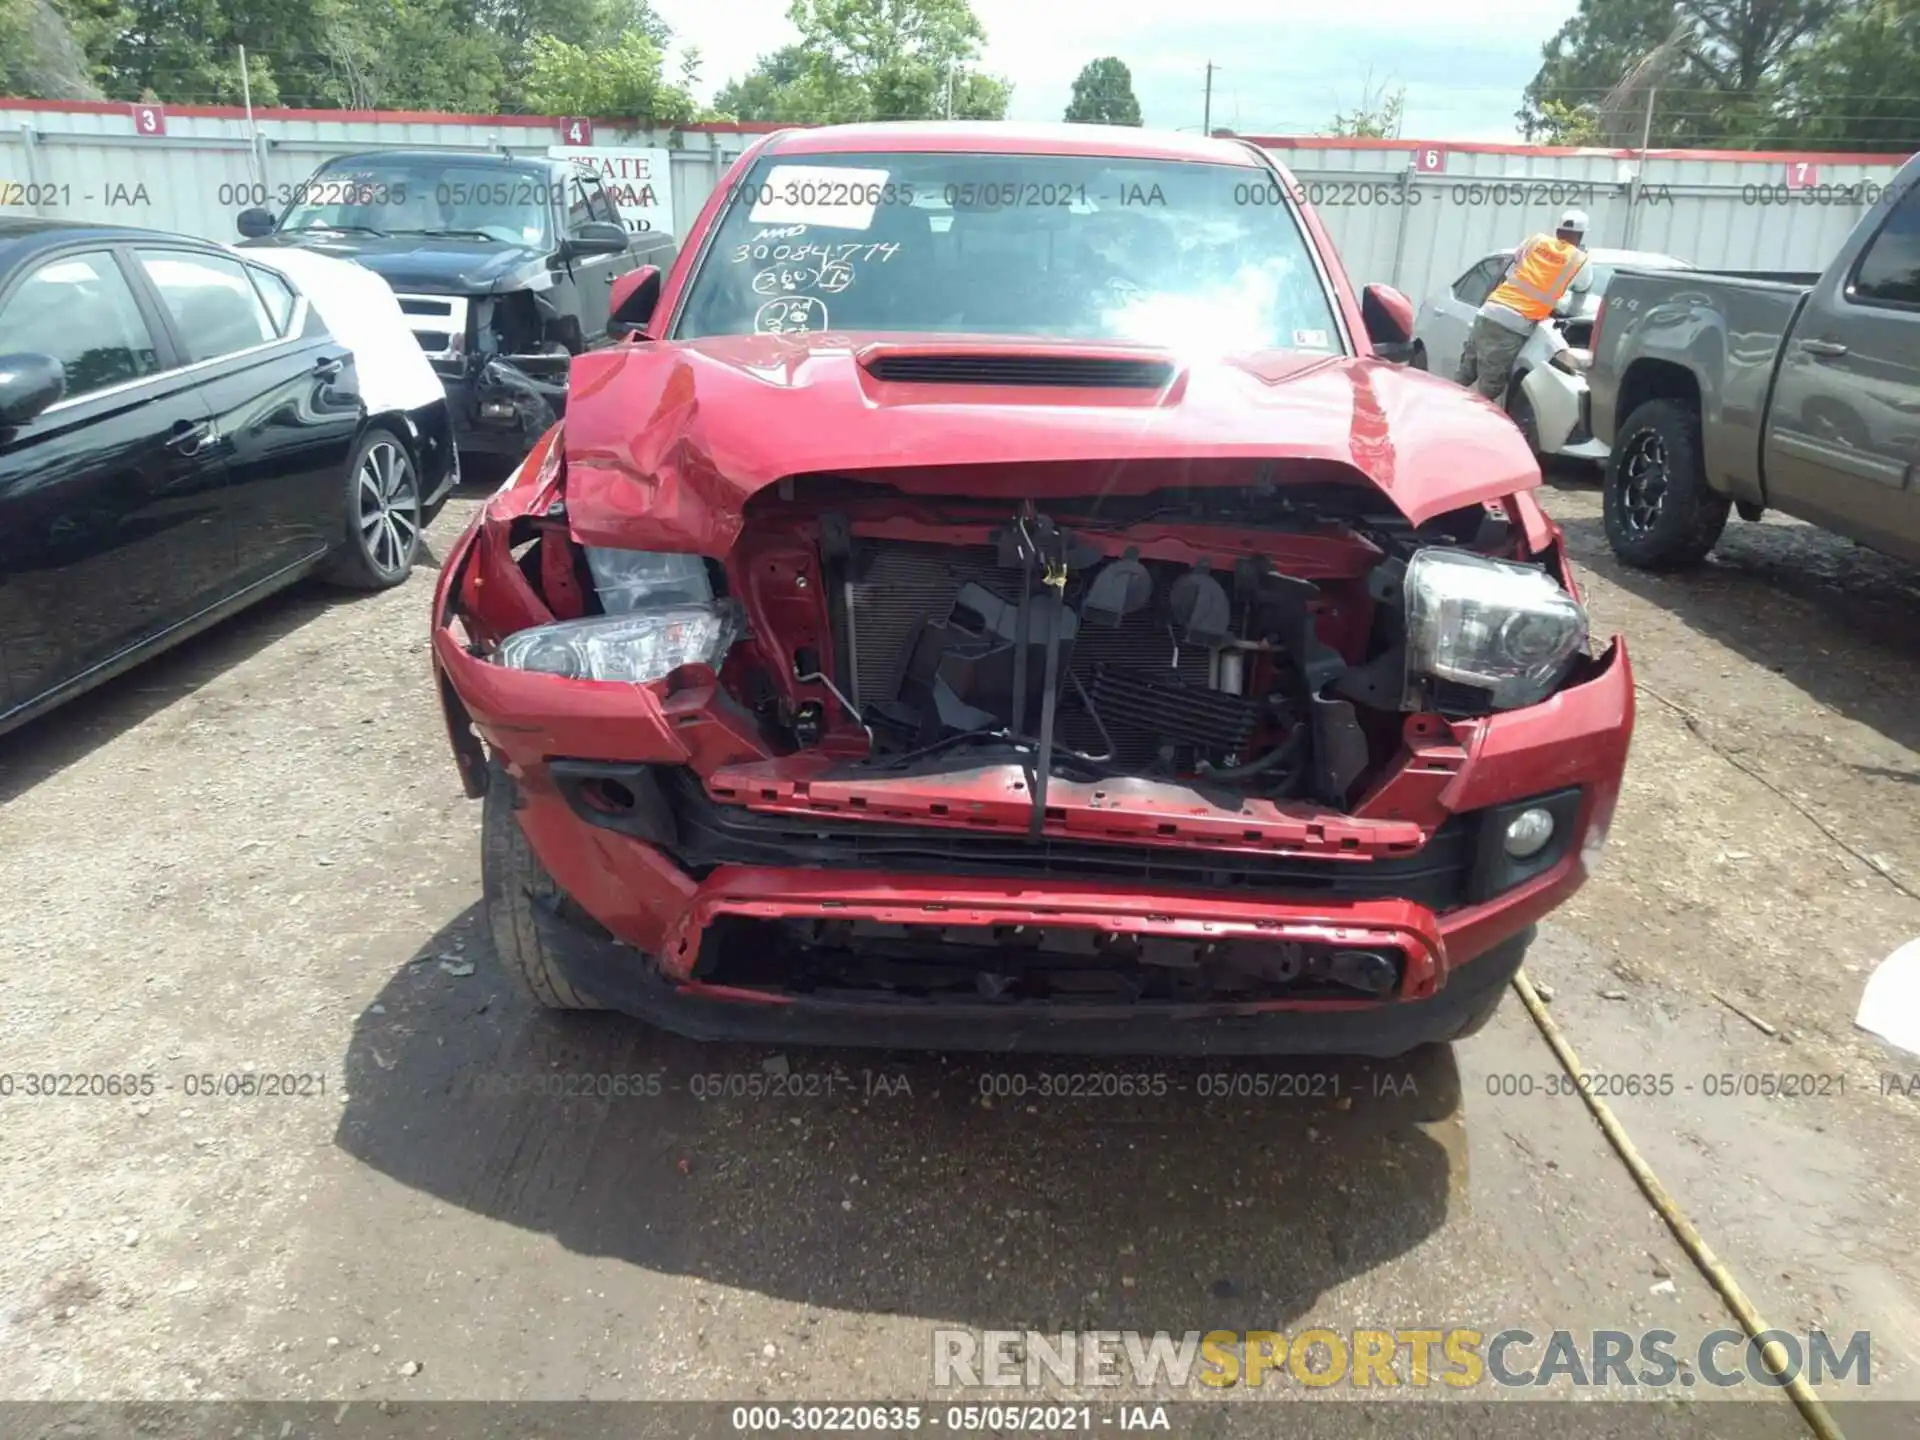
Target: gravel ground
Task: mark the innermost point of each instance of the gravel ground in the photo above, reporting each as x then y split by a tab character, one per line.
252	857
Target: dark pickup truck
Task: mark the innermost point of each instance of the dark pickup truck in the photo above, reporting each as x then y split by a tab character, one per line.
1719	393
502	265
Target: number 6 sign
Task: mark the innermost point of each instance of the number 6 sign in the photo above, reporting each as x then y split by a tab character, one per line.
1429	160
149	120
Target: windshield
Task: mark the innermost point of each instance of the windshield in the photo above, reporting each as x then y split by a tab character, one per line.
1172	253
421	195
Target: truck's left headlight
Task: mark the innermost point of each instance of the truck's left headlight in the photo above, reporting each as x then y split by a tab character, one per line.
1508	630
637	647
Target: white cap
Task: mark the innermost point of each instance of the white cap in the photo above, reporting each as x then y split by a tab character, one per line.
1574	220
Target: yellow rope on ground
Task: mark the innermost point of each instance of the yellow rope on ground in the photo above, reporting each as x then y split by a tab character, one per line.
1773	1353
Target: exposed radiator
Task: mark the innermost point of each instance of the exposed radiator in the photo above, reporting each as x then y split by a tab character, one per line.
904	584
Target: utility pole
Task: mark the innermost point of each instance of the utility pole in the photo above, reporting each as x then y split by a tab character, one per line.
256	167
1206	114
1640	170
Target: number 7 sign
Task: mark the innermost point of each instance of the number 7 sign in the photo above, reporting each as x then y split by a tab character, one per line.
1802	174
149	120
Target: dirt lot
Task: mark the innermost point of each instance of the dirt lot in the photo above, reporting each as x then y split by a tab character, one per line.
252	856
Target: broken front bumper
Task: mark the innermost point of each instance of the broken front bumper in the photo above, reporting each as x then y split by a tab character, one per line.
1413	872
616	976
500	408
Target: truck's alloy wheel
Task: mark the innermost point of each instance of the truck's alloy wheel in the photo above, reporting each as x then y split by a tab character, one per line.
1643	482
1660	512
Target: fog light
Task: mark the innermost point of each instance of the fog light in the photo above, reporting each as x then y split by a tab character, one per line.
1528	832
496	410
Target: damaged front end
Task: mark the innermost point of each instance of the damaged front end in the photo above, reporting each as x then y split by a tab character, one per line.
503	358
1210	748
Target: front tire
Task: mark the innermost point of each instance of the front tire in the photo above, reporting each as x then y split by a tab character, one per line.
1660	512
1478	1018
383	514
511	875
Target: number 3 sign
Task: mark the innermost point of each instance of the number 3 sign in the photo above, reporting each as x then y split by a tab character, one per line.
149	120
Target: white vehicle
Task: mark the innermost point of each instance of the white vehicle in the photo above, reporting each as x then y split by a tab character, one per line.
1548	397
361	312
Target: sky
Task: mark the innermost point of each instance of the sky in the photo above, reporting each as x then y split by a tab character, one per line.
1285	67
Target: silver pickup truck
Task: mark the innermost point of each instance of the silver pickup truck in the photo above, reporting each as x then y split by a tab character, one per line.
1719	393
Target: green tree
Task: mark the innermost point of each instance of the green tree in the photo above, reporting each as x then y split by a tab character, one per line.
1719	83
621	79
1856	86
416	55
765	91
187	50
1376	117
1103	94
1565	124
39	57
871	60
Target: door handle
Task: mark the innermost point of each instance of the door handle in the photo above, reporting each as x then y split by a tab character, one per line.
188	438
1825	349
329	367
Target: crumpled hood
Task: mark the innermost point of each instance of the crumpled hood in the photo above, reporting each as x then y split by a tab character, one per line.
665	442
450	266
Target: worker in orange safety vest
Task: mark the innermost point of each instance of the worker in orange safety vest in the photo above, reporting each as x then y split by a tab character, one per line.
1543	270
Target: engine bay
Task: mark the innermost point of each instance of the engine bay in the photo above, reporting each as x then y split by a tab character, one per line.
1226	643
1105	647
1125	665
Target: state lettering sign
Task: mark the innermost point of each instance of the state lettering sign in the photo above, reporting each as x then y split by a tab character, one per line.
639	181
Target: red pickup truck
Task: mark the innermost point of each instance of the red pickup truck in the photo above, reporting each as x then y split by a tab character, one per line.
1002	595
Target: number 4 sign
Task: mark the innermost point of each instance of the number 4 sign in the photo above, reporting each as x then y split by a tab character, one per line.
1802	174
1430	160
576	130
149	120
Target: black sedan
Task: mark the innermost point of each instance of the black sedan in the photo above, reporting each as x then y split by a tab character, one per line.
182	433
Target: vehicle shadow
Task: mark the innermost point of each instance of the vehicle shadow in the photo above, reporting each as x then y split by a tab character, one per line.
47	744
937	1186
1836	619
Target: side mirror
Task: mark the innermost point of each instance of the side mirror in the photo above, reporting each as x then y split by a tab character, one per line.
29	383
631	305
256	222
598	237
1388	316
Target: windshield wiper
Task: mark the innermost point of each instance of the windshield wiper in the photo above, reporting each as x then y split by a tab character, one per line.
329	225
471	234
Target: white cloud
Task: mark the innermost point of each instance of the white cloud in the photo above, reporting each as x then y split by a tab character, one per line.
1286	67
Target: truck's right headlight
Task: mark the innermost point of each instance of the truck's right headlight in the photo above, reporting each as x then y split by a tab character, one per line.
1508	630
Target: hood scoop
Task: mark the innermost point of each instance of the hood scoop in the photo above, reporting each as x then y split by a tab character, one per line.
1084	372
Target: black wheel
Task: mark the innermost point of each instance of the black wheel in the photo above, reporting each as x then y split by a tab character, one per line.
1520	411
1660	512
511	875
1478	1018
382	514
1419	360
